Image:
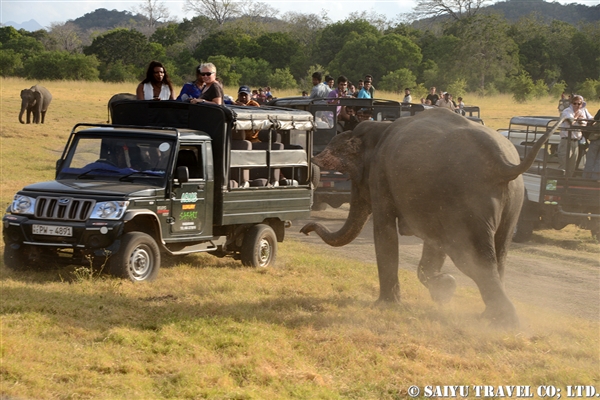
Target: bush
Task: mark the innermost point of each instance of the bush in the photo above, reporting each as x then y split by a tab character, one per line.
10	62
522	87
396	81
558	89
59	65
458	88
540	89
119	72
590	89
282	79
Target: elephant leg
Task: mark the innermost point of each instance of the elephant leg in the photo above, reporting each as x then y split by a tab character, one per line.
29	112
43	116
441	286
386	250
477	259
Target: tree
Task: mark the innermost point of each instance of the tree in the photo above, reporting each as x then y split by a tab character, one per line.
253	71
277	48
66	37
227	42
392	52
331	39
484	50
282	78
10	62
154	11
456	9
396	81
121	45
219	10
225	70
522	87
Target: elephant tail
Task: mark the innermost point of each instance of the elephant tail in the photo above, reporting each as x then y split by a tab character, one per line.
511	172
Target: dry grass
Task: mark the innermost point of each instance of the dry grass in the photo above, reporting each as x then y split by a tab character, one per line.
208	328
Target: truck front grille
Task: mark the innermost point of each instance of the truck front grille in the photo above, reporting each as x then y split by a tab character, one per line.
63	208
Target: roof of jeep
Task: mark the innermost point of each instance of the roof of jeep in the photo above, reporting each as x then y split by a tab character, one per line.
207	117
126	131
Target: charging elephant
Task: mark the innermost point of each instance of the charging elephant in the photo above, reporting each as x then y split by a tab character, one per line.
35	101
118	97
453	183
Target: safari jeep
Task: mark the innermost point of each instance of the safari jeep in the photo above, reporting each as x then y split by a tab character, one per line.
167	178
554	197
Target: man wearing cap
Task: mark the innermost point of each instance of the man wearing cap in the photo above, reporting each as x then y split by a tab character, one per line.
243	99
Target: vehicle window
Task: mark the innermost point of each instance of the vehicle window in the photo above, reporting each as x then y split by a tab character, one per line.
191	157
117	158
324	119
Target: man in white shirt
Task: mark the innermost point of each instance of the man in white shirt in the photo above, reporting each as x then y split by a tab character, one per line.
407	96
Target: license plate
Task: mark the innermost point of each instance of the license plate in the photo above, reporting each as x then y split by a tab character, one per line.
52	230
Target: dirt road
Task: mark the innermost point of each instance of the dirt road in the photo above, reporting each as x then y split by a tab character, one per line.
544	275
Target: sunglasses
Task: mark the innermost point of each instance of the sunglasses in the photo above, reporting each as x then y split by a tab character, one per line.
577	104
205	73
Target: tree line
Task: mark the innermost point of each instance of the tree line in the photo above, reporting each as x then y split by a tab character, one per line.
476	52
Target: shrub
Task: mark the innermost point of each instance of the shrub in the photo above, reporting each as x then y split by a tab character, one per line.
558	89
540	89
590	89
458	88
396	81
282	79
59	65
10	62
522	87
118	72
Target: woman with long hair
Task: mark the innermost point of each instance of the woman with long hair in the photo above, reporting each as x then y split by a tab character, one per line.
157	85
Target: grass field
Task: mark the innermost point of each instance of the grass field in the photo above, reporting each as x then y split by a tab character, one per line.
209	328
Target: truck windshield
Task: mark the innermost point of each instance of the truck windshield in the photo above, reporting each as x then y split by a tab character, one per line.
113	158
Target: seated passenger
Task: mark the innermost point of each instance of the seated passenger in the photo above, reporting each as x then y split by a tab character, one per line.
244	99
192	90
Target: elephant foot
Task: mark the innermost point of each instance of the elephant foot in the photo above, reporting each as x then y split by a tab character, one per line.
502	317
441	288
389	296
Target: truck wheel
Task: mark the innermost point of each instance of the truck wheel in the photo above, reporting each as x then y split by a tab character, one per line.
138	258
15	259
316	176
259	248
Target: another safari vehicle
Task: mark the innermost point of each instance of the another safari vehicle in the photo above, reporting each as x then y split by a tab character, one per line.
553	197
334	187
171	178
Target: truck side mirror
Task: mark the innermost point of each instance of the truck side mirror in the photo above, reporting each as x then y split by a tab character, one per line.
182	174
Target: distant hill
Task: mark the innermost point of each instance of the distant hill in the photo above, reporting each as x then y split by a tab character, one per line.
31	25
102	18
571	13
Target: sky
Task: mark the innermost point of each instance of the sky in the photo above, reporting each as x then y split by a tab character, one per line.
46	12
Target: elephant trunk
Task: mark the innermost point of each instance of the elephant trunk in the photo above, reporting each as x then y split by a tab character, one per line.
357	218
21	114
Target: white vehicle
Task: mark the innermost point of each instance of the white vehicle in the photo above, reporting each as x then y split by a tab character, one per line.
553	197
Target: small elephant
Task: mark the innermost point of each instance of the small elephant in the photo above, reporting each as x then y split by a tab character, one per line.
454	183
35	100
118	97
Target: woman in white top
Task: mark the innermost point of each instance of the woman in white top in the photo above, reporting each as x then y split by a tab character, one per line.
157	85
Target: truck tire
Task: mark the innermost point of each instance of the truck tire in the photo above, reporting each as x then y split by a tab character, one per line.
138	258
259	248
15	259
316	176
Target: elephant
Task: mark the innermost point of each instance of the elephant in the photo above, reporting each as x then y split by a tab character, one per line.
452	182
118	97
35	100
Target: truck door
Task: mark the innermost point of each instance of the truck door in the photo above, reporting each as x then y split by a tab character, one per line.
188	199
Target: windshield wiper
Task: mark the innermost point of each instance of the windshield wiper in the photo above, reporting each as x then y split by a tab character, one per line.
145	173
96	169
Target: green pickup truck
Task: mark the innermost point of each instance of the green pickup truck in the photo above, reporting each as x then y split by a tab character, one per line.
164	179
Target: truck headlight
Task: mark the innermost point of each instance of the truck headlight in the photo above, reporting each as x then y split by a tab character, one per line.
109	210
23	205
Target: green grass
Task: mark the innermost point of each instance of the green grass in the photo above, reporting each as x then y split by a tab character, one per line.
209	328
306	329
